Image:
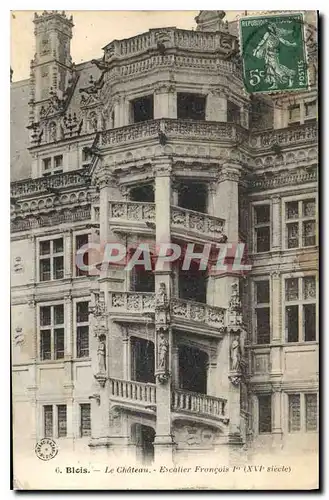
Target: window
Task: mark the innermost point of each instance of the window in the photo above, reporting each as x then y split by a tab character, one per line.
303	412
191	106
300	221
233	112
262	312
300	309
51	259
294	114
48	421
264	414
262	227
80	241
61	421
311	111
54	427
86	157
51	332
142	109
302	112
294	412
82	322
53	165
85	420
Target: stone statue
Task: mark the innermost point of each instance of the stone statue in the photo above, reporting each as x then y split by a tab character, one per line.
235	354
101	352
163	352
162	295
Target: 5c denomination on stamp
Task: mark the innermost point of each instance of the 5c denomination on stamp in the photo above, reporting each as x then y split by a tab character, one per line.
46	449
273	53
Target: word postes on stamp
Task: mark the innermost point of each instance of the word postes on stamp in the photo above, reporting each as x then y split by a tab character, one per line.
46	449
273	53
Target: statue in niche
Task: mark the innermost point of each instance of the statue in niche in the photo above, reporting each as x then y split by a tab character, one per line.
162	295
235	354
101	353
163	347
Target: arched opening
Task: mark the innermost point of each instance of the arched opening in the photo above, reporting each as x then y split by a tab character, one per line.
143	437
144	192
142	360
192	282
193	366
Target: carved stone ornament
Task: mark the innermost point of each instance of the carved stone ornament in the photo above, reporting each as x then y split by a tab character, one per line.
162	372
235	379
18	336
18	265
235	354
97	398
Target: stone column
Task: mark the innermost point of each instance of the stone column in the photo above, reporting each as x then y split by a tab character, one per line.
175	366
276	415
216	107
69	342
33	261
68	257
126	358
165	101
244	116
276	223
163	442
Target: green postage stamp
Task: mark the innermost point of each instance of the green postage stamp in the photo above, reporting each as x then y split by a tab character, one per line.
273	53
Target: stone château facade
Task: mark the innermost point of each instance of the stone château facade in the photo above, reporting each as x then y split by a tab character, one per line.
158	141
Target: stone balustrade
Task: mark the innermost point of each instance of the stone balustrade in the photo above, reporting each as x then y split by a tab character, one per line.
198	41
187	310
197	312
172	128
209	131
204	224
43	184
132	302
202	404
132	211
287	179
133	391
299	134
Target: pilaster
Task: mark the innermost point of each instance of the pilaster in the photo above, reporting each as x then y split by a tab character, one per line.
216	107
276	223
165	102
68	257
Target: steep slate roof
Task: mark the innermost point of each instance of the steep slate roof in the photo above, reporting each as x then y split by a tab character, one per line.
20	159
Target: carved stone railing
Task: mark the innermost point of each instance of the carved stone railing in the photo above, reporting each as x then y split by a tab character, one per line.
198	41
291	179
196	221
132	211
57	181
201	404
132	302
52	219
133	391
173	128
197	312
286	136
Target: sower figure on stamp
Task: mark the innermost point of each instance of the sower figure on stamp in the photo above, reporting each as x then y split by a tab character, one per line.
268	49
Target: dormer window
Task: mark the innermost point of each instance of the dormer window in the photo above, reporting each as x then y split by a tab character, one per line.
52	165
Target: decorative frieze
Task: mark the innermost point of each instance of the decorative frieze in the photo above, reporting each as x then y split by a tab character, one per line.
43	184
132	211
286	179
53	218
300	134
